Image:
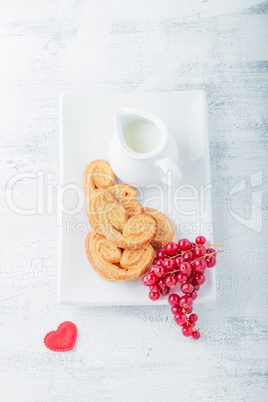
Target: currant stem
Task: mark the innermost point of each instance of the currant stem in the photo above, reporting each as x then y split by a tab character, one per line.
191	249
177	270
191	277
206	255
188	322
180	254
215	245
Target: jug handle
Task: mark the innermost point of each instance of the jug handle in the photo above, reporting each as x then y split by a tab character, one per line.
167	165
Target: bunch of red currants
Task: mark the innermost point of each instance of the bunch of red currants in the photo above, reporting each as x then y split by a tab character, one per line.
181	263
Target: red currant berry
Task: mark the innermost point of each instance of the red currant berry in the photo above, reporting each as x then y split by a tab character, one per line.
170	281
151	279
188	310
154	295
196	335
175	309
144	280
200	240
153	288
211	250
185	268
152	269
180	318
199	265
159	262
184	244
187	288
199	278
189	256
181	277
170	264
193	318
161	253
178	261
199	251
186	302
211	261
193	245
187	330
172	248
160	271
163	289
193	295
196	287
174	299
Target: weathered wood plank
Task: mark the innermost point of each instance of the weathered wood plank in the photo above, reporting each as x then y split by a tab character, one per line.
106	46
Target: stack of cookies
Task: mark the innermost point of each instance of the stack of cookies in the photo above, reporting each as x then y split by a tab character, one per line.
121	244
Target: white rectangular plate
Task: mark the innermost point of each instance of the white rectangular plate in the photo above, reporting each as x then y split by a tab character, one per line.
86	129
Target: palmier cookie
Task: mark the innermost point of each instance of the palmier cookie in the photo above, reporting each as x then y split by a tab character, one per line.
111	263
165	228
126	194
123	192
109	218
97	174
133	208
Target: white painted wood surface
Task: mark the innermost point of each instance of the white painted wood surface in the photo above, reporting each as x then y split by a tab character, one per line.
107	46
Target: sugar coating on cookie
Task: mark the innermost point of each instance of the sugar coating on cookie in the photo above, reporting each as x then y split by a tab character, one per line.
165	228
103	215
111	263
97	174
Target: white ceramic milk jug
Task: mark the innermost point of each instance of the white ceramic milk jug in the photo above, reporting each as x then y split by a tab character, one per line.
142	152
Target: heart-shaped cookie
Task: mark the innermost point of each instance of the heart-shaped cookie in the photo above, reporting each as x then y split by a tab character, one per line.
63	339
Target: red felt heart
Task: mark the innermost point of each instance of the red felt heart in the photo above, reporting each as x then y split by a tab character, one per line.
63	339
